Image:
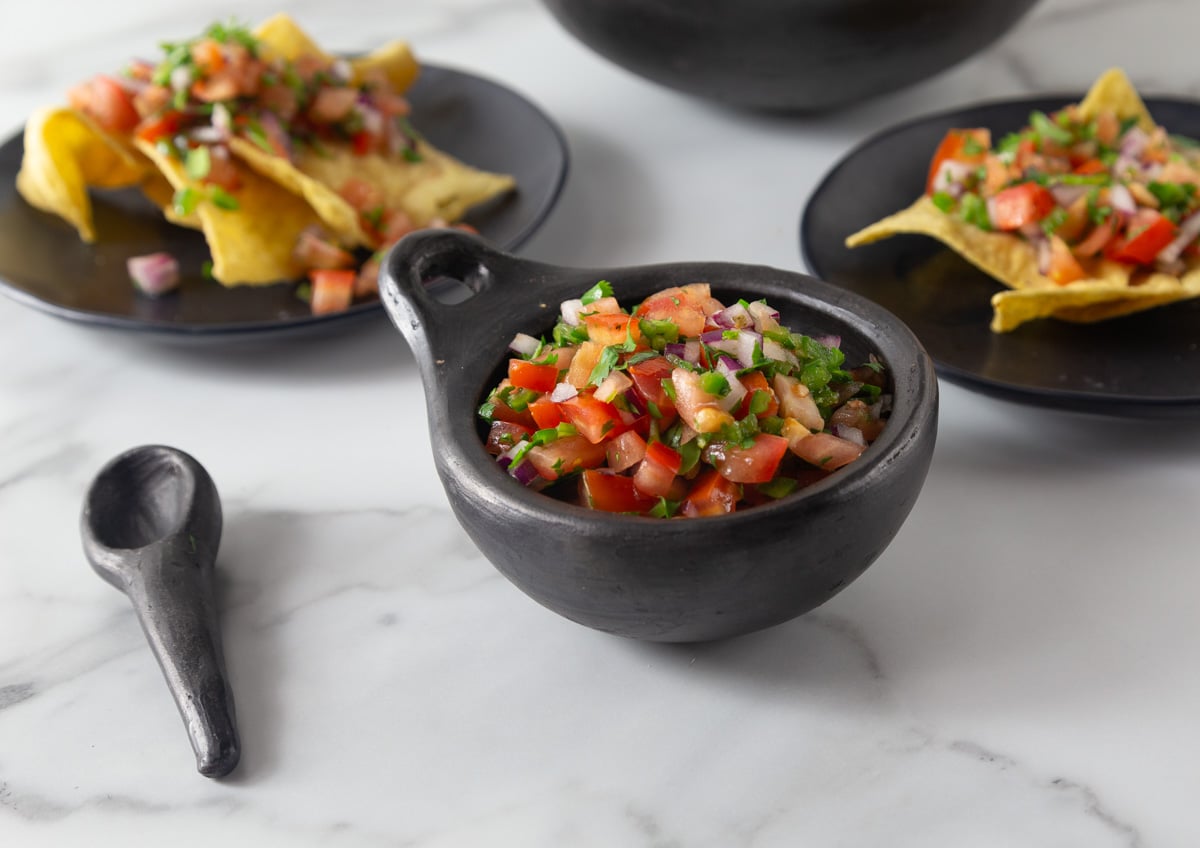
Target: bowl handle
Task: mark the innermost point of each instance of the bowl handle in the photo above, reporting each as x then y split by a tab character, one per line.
442	328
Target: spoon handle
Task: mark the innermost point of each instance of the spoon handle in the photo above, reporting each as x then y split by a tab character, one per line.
176	605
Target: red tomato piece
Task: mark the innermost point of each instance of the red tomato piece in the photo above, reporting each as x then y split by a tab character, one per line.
626	450
756	382
648	377
961	145
1064	267
332	290
827	451
684	307
545	413
529	375
1149	231
612	328
1091	166
594	419
104	100
1019	205
652	478
1096	241
711	495
163	126
566	455
757	463
612	493
667	457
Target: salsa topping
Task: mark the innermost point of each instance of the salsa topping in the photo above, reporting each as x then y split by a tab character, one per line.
1078	189
682	407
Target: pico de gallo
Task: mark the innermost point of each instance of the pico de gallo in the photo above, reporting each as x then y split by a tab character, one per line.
1078	190
218	86
682	407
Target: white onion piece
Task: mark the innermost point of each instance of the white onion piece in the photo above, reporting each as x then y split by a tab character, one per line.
729	346
154	273
221	119
1189	229
732	317
181	77
341	70
563	391
1065	195
737	391
850	434
1122	200
765	318
523	344
745	342
570	310
208	135
691	351
774	350
952	177
612	385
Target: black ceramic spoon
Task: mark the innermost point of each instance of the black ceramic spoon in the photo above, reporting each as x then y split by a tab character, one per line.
151	527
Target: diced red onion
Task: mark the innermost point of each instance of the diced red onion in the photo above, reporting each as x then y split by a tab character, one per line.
372	120
506	458
563	391
523	344
847	390
525	472
1042	248
712	336
221	118
570	310
1175	267
1065	195
732	317
729	346
850	434
154	273
1134	142
208	135
829	341
1122	200
1189	229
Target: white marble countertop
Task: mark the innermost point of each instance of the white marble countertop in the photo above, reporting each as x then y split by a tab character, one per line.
1018	668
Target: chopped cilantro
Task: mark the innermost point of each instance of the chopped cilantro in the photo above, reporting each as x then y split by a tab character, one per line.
779	487
942	201
1127	124
1047	129
1054	220
411	154
601	289
972	147
304	293
664	508
974	211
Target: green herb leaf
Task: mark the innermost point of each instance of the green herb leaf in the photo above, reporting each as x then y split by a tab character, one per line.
601	289
974	211
1047	129
779	487
942	201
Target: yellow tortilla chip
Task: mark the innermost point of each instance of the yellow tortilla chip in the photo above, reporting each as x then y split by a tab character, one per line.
281	37
65	153
1111	291
252	245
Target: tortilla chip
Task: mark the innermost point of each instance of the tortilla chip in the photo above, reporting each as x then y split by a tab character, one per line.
1111	291
252	245
438	186
1114	91
65	153
281	37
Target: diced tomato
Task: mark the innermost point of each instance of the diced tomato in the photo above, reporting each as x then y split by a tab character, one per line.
1019	205
612	328
665	456
104	100
612	493
501	411
362	195
280	100
1149	231
855	413
955	146
698	409
594	419
528	375
504	435
827	451
1108	128
626	450
683	306
366	284
332	290
1091	166
222	170
164	126
332	104
648	376
653	478
216	87
712	494
756	382
566	455
1096	240
314	251
1064	267
362	142
207	55
545	413
755	464
583	363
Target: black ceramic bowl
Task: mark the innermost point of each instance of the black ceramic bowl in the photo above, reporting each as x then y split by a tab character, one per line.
787	54
673	581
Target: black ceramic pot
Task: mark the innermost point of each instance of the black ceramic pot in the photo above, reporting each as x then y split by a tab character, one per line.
679	580
787	55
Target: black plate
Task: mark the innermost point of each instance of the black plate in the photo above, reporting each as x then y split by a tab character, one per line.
43	263
1143	365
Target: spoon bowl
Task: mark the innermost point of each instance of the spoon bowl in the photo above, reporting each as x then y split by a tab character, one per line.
151	527
681	580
